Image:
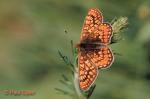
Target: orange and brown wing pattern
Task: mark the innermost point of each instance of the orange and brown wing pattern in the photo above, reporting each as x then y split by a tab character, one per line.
95	29
87	71
91	23
102	58
91	59
105	33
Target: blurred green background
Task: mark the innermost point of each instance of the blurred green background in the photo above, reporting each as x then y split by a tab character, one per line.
32	32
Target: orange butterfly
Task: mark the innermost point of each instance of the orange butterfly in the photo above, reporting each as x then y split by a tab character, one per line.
93	50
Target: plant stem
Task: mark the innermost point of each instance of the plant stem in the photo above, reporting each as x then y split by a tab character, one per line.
76	85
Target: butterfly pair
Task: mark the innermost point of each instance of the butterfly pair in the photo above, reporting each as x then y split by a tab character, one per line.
93	50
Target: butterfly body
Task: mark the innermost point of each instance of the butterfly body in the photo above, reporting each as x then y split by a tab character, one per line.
93	50
90	46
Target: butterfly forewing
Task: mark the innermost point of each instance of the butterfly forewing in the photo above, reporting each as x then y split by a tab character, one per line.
91	23
87	71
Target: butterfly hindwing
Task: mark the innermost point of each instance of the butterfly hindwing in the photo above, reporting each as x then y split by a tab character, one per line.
102	58
105	33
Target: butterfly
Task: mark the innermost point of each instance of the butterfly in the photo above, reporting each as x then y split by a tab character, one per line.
93	50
